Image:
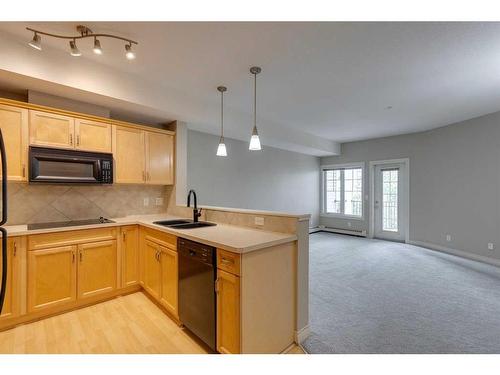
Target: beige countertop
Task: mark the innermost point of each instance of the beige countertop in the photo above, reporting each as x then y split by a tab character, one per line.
228	237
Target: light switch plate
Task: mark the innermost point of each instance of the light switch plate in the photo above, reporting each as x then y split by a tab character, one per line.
491	246
159	201
448	238
259	220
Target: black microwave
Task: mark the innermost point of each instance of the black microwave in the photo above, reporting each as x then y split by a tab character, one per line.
52	165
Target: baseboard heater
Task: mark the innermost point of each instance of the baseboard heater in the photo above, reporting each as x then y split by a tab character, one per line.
352	232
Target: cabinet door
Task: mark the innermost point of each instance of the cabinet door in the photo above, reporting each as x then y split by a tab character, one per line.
129	154
159	158
228	312
169	280
11	303
152	269
48	129
14	126
96	268
51	277
130	255
93	136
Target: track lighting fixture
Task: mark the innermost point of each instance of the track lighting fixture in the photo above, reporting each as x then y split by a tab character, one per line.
254	140
97	47
129	54
221	149
74	49
36	42
84	32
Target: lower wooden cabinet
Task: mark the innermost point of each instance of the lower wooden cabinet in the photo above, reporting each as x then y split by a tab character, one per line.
51	277
152	269
228	312
169	279
159	268
97	273
130	255
11	303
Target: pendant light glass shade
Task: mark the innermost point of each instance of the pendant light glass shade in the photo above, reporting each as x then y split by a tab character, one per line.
97	47
254	140
221	149
74	49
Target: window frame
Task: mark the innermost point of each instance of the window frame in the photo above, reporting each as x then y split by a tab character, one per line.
342	215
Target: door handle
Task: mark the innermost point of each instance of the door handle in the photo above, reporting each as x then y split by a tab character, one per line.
81	255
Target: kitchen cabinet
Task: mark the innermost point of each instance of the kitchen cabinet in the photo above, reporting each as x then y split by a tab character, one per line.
143	156
51	277
152	269
159	158
96	268
51	130
129	155
92	136
11	304
169	279
228	312
14	126
130	255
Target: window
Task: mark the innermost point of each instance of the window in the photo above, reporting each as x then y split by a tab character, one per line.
390	200
343	191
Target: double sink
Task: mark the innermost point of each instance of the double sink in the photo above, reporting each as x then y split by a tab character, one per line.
184	224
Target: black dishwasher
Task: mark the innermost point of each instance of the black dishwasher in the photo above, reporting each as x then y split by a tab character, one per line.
197	273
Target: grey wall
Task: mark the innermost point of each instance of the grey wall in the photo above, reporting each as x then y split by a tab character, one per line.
454	182
272	179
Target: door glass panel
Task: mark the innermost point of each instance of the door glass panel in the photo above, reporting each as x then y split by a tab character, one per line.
390	200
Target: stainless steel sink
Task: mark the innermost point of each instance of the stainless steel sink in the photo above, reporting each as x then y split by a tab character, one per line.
184	224
167	223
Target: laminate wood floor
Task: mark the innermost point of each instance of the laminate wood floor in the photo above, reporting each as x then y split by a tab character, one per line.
130	324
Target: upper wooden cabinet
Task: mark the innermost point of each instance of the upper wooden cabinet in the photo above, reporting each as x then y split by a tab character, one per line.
143	156
14	126
128	151
159	159
92	135
51	130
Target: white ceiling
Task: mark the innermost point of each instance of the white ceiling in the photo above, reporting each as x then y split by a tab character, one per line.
319	81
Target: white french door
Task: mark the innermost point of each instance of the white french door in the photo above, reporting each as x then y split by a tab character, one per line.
390	201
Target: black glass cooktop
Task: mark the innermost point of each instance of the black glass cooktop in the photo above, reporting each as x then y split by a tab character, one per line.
72	223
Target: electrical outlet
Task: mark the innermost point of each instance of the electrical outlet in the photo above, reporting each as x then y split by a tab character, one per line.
146	202
491	246
259	220
159	201
448	238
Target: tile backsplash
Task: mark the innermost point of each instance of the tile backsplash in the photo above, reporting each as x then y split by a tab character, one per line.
49	203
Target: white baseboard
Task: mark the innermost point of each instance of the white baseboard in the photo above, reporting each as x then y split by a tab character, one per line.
314	230
302	334
359	233
460	253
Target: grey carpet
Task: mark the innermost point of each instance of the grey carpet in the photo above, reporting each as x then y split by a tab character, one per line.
371	296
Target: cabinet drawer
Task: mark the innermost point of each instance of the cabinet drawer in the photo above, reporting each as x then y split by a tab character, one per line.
50	240
161	238
229	262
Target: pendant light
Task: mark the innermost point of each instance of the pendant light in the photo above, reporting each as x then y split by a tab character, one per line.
255	141
221	150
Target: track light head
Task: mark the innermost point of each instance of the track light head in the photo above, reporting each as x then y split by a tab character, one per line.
36	42
74	49
129	54
97	47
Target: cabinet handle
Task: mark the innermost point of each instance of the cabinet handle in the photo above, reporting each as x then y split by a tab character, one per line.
15	248
24	170
143	176
124	235
149	177
71	139
78	140
81	256
73	253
